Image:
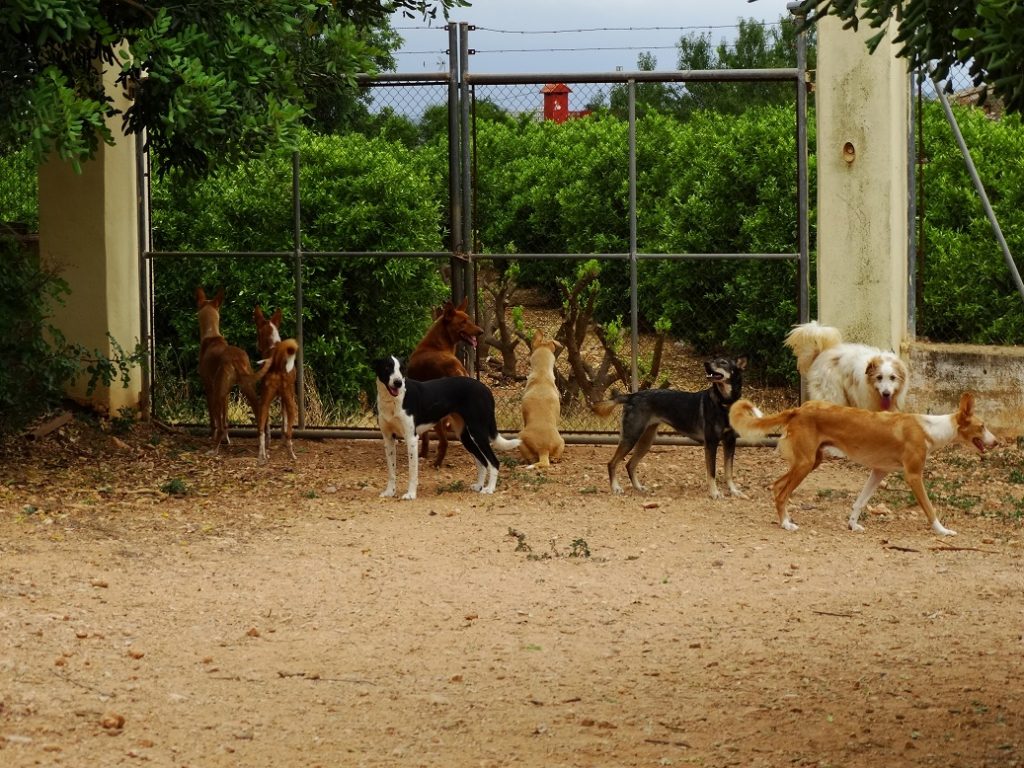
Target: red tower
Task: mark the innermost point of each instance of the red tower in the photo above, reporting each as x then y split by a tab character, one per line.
556	101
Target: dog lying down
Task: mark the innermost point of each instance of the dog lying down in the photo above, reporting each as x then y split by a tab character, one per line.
407	408
880	441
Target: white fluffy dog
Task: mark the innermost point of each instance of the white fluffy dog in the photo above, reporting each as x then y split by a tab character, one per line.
845	373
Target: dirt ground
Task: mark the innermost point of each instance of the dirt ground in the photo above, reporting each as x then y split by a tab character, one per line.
161	606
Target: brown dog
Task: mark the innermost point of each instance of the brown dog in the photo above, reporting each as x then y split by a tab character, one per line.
434	358
542	406
279	380
881	441
222	368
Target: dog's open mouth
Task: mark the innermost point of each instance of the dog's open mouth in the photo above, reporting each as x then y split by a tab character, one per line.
716	376
886	401
979	444
393	391
471	340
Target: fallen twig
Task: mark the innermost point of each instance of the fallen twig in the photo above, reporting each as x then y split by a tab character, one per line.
830	613
951	548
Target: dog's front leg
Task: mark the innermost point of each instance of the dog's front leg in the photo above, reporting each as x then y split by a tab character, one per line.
916	483
729	454
710	456
874	480
412	448
392	460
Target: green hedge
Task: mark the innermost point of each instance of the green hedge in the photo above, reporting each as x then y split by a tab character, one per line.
713	184
967	293
359	194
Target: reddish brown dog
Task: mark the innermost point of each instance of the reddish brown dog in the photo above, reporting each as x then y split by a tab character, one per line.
434	358
222	367
279	381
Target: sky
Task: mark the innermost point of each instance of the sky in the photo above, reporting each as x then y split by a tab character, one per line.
516	36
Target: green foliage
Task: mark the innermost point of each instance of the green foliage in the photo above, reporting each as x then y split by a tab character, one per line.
19	192
210	81
33	368
359	194
983	37
967	293
36	363
712	184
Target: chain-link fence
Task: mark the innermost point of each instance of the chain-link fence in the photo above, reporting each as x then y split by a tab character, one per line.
591	258
967	288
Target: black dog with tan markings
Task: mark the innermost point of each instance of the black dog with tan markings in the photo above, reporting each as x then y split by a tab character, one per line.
702	416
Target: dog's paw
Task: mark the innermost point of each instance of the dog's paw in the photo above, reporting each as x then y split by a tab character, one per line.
387	493
942	530
856	527
736	493
409	495
617	489
486	489
478	487
789	525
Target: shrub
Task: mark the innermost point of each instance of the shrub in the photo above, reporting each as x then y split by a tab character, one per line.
359	194
967	293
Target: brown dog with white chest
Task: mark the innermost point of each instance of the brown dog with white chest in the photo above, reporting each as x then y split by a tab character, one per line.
435	358
542	406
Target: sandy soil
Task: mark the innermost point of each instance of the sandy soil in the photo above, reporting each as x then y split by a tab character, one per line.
159	606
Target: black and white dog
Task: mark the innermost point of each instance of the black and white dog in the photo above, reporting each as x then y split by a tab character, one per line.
702	416
408	408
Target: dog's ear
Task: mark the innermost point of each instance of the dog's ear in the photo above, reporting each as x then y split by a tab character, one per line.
741	362
872	366
276	318
219	298
966	409
465	303
257	315
200	297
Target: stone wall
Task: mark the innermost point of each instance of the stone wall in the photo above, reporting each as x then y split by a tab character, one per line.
940	373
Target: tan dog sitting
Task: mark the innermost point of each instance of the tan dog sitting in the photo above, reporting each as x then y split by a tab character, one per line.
542	406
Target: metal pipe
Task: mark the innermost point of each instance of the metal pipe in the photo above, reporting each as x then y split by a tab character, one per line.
676	76
973	171
445	254
371	433
634	311
802	194
142	233
465	98
300	377
454	164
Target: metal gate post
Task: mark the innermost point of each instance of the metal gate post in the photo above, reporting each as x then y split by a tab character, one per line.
466	156
454	167
634	312
803	229
297	255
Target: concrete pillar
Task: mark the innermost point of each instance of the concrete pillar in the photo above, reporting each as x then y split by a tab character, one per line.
88	231
862	109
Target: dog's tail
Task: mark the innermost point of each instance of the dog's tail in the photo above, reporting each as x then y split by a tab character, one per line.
748	421
604	408
282	358
809	340
500	443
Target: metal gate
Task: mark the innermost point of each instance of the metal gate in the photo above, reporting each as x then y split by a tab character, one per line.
466	257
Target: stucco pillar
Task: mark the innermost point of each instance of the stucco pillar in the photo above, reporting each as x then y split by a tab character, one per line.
88	231
863	121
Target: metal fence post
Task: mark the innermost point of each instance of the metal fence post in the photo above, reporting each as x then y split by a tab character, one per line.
634	311
466	154
297	251
803	229
454	167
